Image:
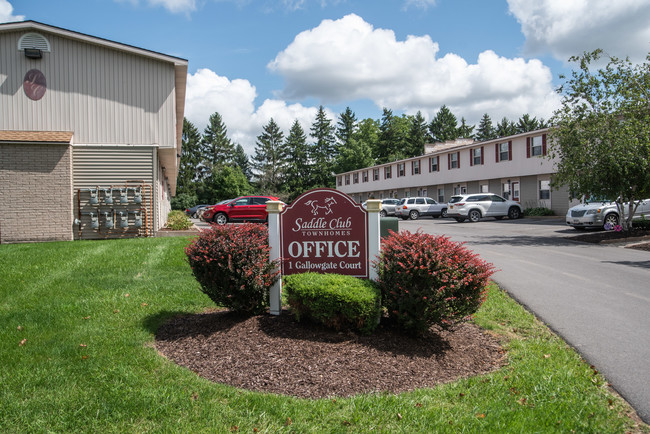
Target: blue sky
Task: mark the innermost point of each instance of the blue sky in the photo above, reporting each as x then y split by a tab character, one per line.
253	60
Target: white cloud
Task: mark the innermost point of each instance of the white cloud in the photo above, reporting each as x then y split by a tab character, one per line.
566	28
208	92
6	13
348	59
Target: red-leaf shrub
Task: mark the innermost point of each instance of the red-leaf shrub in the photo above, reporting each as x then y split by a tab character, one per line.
429	280
232	265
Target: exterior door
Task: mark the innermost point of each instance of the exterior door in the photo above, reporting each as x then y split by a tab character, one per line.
515	191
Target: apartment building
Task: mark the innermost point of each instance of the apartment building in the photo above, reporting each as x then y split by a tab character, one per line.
90	135
516	167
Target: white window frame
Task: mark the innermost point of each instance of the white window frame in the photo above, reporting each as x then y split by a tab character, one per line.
502	152
453	160
536	146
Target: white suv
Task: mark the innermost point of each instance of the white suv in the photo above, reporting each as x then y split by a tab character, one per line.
476	206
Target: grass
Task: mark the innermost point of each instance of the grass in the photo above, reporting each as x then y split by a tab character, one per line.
77	323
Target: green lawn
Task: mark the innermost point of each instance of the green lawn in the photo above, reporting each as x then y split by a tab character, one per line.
77	323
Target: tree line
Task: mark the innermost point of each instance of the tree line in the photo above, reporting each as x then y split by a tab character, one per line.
213	168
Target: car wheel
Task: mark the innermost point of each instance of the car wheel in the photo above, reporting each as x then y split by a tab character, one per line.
514	213
474	215
382	213
611	218
459	219
220	219
413	215
443	213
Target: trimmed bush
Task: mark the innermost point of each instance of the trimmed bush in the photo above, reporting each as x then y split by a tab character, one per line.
428	280
538	211
232	265
334	300
178	221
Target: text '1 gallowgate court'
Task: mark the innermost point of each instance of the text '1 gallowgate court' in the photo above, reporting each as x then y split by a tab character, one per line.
323	231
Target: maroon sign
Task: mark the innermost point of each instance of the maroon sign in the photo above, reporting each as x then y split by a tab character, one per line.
34	84
324	231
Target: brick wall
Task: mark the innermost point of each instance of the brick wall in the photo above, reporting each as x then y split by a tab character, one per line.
35	193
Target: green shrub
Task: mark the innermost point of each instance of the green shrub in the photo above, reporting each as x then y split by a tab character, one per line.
334	300
232	265
642	223
182	201
428	280
178	221
538	211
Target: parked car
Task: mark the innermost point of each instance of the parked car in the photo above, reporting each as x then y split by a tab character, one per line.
244	208
414	207
192	212
203	209
596	213
479	205
387	207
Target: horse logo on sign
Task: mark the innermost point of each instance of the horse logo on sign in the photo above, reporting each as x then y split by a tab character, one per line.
315	207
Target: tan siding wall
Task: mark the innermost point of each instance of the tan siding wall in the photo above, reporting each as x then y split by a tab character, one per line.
35	200
102	95
560	200
529	192
117	167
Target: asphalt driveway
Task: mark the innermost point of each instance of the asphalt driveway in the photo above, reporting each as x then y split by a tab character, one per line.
597	297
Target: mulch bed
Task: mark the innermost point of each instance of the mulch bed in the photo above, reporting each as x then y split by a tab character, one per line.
637	238
275	354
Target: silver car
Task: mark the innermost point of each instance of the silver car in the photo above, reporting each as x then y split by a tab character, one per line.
597	213
476	206
387	207
414	207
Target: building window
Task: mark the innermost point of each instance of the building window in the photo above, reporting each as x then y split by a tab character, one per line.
434	164
415	167
375	174
401	169
407	193
340	180
460	190
544	190
355	178
387	174
536	146
453	160
485	188
347	179
476	156
424	192
505	191
504	151
364	177
441	195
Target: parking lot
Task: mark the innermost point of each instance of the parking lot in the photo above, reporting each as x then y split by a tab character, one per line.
597	297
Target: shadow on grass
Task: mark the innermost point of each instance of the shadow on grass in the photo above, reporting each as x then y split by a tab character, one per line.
170	325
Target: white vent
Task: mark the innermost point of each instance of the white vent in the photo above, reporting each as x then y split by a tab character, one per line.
33	40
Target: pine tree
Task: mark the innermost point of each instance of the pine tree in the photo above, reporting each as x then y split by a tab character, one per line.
216	147
465	131
298	170
323	151
444	126
526	124
485	130
417	136
346	127
240	159
506	128
270	158
189	172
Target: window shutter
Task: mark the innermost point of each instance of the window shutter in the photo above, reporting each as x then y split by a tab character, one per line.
496	152
471	157
482	153
430	161
448	161
543	144
438	163
458	158
510	150
527	147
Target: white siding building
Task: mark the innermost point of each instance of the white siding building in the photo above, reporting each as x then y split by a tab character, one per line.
515	167
84	118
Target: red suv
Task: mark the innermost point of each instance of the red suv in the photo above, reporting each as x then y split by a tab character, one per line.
244	208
